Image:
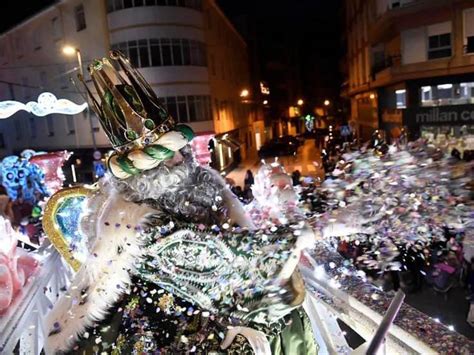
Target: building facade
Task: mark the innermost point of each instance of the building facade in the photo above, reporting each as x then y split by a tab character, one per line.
410	63
186	49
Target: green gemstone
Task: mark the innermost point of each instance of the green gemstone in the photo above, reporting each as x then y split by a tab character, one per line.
131	134
149	124
98	64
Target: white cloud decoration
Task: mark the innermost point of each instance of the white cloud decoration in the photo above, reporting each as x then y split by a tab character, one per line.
46	105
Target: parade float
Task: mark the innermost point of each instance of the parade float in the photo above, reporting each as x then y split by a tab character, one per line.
159	255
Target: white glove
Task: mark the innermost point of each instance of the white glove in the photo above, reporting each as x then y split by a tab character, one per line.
258	341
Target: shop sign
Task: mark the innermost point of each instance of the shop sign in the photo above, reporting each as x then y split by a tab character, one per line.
456	115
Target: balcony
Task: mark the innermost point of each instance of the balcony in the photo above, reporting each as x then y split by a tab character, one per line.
385	64
391	20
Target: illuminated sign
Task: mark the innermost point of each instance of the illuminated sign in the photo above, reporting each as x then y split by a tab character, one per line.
441	115
47	104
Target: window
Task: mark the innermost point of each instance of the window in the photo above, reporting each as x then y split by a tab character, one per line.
115	5
56	28
426	95
470	44
80	17
445	91
33	129
191	108
171	106
166	52
186	52
401	98
469	30
155	50
194	53
50	126
143	53
70	126
439	46
182	109
177	52
163	52
133	52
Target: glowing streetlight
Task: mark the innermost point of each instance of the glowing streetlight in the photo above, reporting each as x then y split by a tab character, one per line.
265	102
300	102
69	51
372	96
244	93
327	102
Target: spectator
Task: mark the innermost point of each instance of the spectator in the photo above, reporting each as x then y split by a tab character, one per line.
237	190
249	180
296	177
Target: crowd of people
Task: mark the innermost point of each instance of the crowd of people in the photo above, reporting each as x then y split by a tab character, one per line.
443	263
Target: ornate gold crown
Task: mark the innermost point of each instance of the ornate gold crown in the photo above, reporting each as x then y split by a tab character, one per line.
138	126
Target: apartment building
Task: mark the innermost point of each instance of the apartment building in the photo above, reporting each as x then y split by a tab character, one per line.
186	49
411	63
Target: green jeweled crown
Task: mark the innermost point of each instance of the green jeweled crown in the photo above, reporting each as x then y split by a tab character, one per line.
138	126
128	109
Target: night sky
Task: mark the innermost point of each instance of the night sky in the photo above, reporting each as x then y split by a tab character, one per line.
303	34
14	11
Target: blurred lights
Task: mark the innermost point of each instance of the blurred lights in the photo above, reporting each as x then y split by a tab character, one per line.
300	102
372	96
69	50
445	86
244	93
265	102
327	102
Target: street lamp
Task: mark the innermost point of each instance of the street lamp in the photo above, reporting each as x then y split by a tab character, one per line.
300	102
69	51
265	102
244	93
327	102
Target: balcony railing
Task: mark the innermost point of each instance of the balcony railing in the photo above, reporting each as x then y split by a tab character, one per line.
21	327
331	299
386	5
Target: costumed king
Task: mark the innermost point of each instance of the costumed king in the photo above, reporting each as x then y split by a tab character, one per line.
174	263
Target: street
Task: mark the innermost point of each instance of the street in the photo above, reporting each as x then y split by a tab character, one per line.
307	161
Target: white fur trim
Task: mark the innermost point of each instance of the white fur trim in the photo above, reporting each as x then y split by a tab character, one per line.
104	276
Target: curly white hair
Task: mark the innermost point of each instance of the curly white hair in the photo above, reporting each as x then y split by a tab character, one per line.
187	191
